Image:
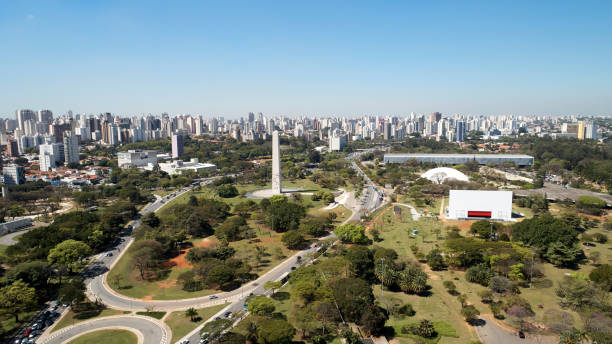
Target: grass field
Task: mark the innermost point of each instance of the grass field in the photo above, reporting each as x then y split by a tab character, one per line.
181	324
106	336
72	318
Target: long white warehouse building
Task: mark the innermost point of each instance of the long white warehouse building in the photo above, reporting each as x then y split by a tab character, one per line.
455	159
475	204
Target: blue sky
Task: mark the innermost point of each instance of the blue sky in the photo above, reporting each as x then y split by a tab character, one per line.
306	57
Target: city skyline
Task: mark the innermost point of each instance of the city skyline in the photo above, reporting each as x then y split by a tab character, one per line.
293	59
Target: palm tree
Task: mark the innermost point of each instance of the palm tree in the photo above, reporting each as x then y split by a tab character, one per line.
192	313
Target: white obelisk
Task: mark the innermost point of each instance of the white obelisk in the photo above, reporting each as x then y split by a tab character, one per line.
276	166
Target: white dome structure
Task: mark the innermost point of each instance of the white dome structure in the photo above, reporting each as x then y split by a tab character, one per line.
440	174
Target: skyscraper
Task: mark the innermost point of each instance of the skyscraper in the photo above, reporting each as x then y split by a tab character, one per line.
177	145
387	131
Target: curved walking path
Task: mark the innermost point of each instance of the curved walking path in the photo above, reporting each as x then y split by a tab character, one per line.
148	330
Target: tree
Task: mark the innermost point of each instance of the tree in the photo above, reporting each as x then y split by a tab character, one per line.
68	253
373	320
353	296
519	314
261	305
274	331
602	276
563	255
72	293
501	285
470	313
558	321
412	281
144	258
293	240
283	215
17	297
435	260
578	292
541	231
480	274
360	260
483	228
590	205
150	220
192	313
352	234
35	273
232	229
232	338
227	191
273	285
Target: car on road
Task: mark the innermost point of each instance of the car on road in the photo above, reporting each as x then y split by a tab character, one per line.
109	254
521	335
184	341
227	314
589	244
212	297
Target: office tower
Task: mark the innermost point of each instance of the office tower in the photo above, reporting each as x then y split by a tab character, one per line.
71	148
251	117
25	115
14	175
12	148
387	131
277	188
177	145
460	136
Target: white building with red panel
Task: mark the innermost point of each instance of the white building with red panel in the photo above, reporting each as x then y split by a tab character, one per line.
479	204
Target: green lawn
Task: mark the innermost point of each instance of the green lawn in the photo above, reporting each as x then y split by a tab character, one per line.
106	336
181	324
73	318
9	324
156	315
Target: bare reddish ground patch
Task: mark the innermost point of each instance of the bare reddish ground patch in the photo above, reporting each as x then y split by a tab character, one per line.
147	298
464	225
180	261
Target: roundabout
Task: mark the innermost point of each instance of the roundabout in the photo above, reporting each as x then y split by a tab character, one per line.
146	330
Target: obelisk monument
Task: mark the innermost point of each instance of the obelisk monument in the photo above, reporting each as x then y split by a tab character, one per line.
276	166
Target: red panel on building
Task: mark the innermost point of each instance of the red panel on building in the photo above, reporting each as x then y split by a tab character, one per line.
479	214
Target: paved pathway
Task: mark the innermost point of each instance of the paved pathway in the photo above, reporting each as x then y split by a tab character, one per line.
413	211
492	333
9	239
150	330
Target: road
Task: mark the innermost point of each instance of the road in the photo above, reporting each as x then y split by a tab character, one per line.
150	330
559	192
9	239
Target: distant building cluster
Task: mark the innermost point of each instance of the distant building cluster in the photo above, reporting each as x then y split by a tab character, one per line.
57	140
456	159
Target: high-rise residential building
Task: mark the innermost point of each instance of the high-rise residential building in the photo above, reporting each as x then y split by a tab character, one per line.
177	145
435	116
46	161
24	115
591	131
581	130
12	148
14	175
387	131
460	135
56	150
251	117
45	116
71	148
